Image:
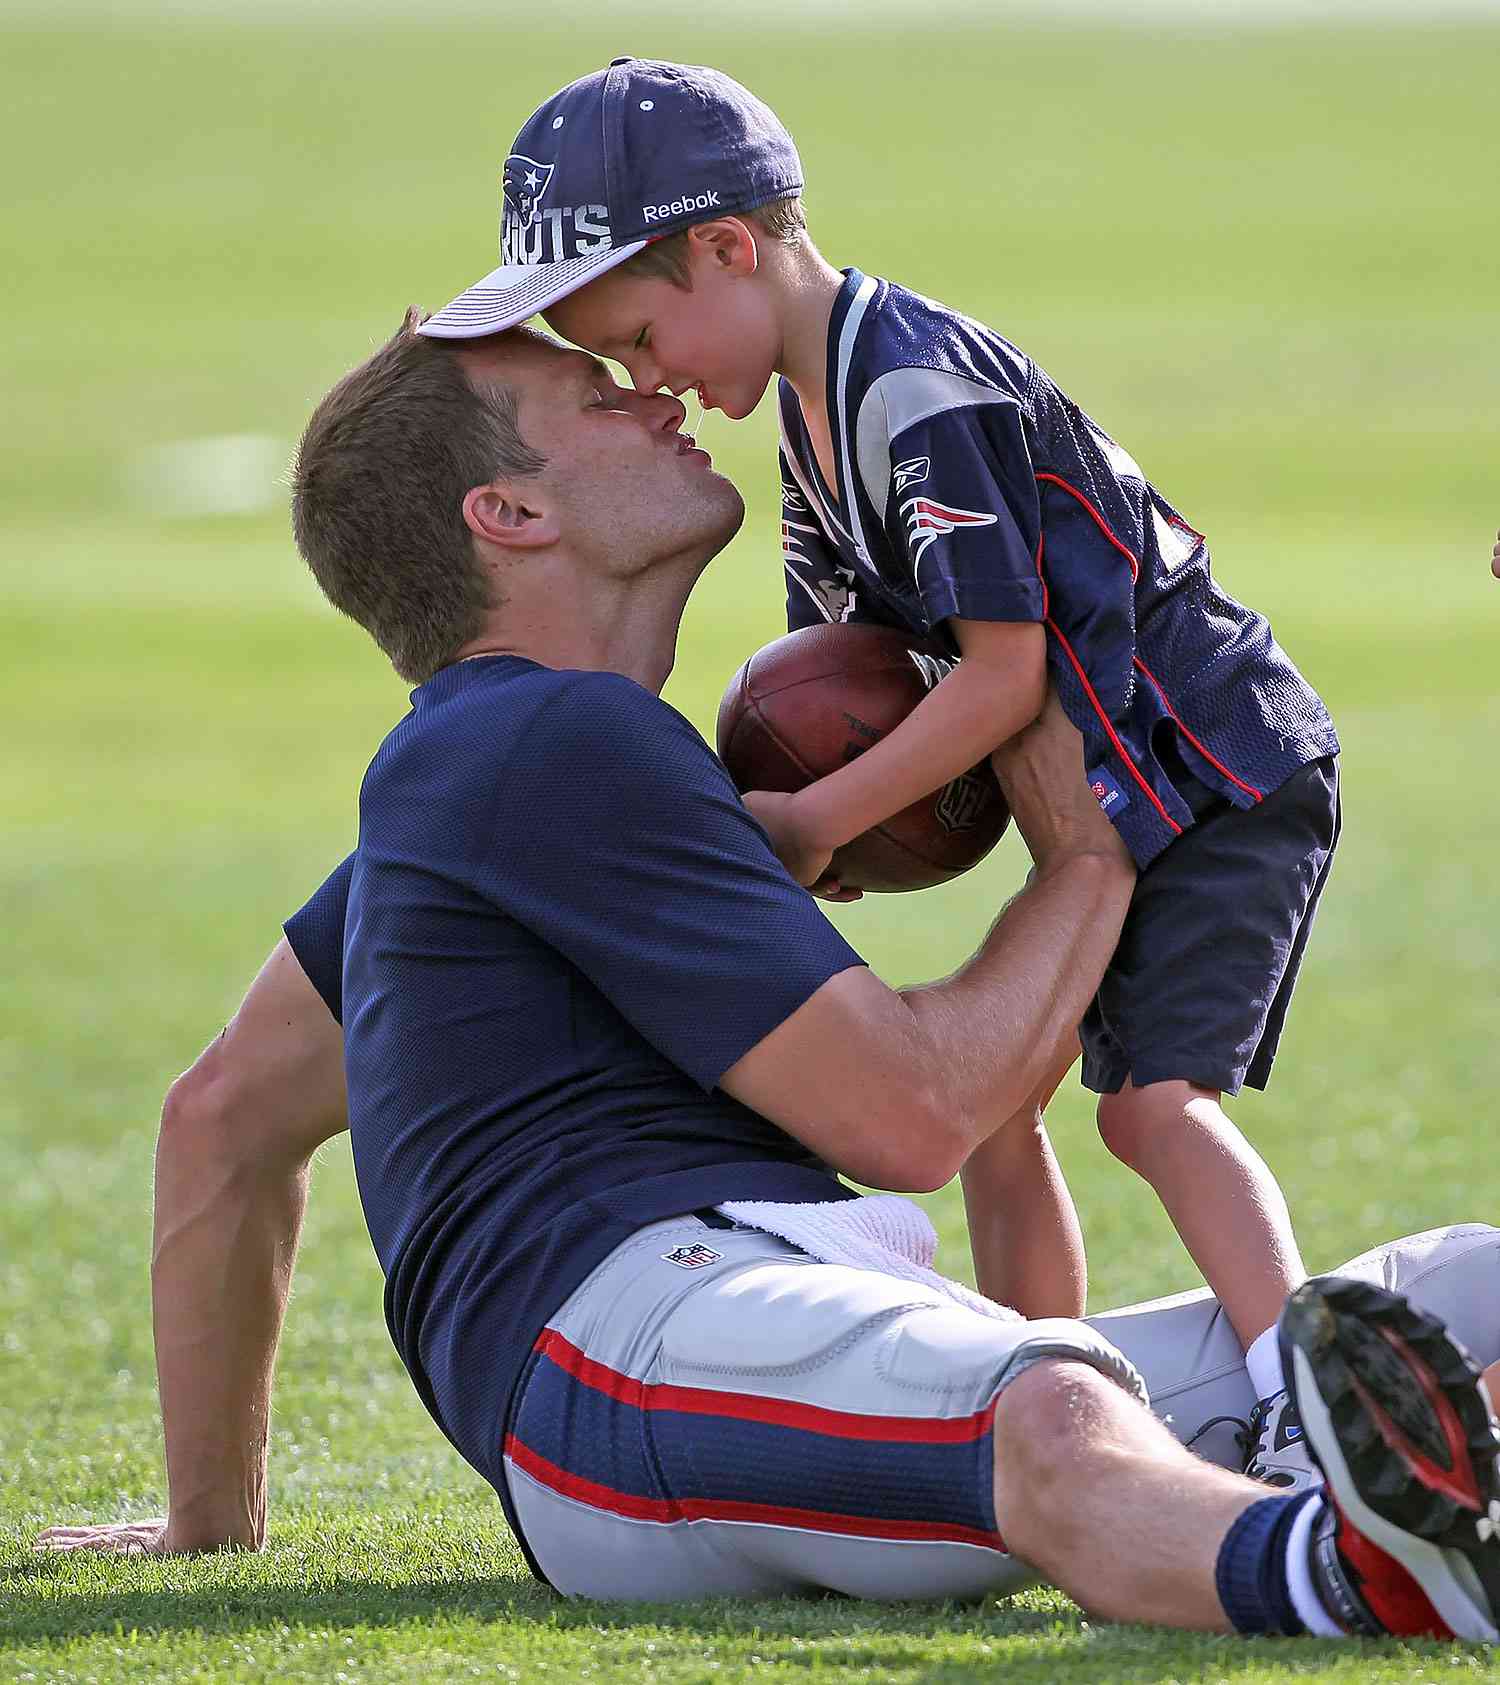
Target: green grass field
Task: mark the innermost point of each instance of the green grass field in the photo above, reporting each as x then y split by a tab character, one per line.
1266	262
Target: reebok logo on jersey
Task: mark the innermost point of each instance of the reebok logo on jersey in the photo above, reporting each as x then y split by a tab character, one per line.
927	521
692	1257
792	499
911	472
523	183
1107	793
680	207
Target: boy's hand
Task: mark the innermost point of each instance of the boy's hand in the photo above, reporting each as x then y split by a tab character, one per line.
806	859
1495	557
1041	772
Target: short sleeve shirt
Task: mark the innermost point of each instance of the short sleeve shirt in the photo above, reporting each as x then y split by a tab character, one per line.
562	927
968	485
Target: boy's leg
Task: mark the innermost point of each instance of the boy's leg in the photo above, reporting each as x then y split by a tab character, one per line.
1220	1194
1023	1227
1191	1008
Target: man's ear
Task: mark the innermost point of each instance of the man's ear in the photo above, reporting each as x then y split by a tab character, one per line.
728	244
504	514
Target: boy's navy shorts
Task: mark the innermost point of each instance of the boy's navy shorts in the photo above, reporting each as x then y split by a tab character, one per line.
1199	985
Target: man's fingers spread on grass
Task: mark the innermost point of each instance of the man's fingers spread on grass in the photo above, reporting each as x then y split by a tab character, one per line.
124	1538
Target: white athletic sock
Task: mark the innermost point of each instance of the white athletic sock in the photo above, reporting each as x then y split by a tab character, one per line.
1263	1360
1299	1580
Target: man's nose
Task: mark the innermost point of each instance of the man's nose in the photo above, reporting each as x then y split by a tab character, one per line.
660	410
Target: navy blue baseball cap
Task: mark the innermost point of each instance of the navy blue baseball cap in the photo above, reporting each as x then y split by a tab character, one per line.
614	161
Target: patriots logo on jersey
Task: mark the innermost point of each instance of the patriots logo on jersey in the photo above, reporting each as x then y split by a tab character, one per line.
928	520
834	597
523	184
911	472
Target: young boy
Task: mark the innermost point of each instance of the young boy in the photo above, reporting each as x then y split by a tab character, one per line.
934	478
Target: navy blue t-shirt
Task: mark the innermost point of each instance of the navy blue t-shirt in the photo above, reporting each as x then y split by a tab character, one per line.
970	485
562	928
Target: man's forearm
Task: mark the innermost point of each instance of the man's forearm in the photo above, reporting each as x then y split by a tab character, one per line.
995	1025
225	1242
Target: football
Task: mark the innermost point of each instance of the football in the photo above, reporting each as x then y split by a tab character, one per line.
807	704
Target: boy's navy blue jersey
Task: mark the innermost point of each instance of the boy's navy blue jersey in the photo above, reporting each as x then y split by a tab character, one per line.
969	485
562	927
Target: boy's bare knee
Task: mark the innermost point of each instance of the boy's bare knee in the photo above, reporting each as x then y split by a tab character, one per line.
1134	1122
1127	1122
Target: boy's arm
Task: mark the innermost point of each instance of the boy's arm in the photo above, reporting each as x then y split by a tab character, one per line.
961	512
997	689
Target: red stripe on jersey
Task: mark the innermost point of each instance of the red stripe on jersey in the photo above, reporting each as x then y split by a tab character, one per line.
668	1510
746	1407
1099	521
1104	720
1212	759
928	509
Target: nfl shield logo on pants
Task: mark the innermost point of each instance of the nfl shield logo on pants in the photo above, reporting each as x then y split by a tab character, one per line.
692	1257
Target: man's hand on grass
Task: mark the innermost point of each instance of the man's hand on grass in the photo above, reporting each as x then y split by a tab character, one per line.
120	1538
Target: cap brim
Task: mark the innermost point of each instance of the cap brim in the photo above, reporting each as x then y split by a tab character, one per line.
515	292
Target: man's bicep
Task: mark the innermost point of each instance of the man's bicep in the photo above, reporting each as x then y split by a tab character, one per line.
848	1075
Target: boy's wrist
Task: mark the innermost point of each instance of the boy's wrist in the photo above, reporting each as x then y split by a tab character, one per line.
818	823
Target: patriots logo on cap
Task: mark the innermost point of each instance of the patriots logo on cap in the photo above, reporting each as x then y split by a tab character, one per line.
523	184
927	520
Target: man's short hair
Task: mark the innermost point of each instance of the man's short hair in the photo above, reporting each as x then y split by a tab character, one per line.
666	259
377	496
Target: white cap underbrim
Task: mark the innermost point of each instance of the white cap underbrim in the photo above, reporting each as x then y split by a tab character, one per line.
512	294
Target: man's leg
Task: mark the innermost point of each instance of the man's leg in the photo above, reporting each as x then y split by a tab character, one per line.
714	1413
1193	1364
1398	1420
1100	1499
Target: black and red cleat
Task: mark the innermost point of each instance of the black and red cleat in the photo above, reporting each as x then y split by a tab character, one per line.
1396	1418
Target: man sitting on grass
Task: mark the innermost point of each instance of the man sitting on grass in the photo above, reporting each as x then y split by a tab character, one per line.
585	1010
